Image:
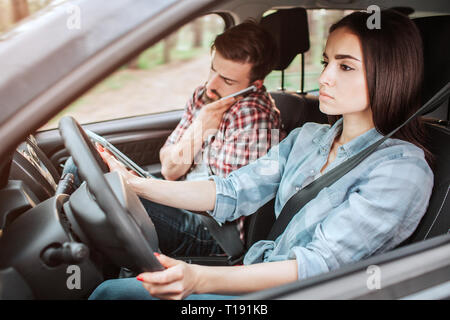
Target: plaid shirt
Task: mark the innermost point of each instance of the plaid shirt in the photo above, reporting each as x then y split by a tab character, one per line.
248	129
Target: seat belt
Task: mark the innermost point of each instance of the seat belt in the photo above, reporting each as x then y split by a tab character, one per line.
303	196
227	236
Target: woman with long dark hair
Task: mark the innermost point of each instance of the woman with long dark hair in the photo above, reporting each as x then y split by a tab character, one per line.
371	83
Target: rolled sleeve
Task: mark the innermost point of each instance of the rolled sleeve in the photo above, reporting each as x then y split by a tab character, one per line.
309	263
187	118
247	189
225	204
183	125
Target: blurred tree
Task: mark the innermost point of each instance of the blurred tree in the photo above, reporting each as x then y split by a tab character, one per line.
20	9
4	15
197	29
169	43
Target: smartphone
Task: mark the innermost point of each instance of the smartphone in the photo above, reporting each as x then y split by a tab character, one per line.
118	154
242	92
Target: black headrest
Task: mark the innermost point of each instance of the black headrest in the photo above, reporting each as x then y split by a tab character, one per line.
289	27
435	35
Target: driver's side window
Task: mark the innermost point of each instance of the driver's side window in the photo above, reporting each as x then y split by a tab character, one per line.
159	79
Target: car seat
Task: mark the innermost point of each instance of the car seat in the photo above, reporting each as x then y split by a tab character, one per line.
289	27
435	31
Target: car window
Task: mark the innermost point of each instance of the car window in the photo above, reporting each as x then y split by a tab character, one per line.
12	12
161	78
319	21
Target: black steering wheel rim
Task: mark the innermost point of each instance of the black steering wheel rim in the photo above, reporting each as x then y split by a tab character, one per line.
89	166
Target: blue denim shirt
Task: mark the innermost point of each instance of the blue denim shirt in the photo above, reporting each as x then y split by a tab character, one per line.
371	209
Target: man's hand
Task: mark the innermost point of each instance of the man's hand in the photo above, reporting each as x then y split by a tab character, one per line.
177	159
211	114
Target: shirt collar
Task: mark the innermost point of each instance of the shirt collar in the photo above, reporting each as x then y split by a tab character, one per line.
354	146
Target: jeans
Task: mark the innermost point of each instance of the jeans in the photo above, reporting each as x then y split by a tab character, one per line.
132	289
180	232
70	167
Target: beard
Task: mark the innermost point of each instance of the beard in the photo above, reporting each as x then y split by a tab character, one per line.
207	99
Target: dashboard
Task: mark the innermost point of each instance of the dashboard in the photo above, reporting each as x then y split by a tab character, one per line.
31	166
27	179
39	235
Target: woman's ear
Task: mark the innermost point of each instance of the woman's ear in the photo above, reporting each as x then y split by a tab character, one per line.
258	83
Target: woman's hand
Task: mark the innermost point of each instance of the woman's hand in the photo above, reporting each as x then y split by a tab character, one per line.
114	164
181	279
176	282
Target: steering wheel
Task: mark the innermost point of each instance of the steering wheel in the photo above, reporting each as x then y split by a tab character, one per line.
134	236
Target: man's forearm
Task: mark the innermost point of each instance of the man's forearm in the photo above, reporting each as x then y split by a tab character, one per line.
178	158
174	161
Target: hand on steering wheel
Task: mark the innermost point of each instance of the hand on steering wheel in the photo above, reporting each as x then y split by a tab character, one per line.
115	165
131	224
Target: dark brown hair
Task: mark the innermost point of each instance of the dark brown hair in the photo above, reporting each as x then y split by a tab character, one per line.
393	59
248	42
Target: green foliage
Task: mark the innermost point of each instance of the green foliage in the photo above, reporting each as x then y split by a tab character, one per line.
153	56
115	81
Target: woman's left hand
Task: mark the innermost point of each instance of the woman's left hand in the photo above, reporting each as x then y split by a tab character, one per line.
176	282
114	164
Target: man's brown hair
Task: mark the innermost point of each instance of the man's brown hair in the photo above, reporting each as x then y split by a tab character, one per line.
248	42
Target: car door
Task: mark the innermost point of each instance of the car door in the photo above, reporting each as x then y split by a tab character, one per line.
140	138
